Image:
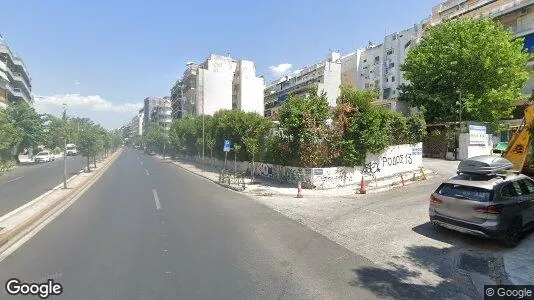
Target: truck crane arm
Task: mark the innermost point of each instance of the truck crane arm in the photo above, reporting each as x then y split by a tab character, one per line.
518	146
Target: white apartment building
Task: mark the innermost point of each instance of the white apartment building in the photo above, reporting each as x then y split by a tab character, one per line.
149	104
137	123
162	113
218	83
378	66
15	83
324	76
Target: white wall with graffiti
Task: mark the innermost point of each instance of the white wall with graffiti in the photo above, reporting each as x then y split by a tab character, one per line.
392	161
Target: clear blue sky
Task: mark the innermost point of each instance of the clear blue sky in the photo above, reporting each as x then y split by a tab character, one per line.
121	51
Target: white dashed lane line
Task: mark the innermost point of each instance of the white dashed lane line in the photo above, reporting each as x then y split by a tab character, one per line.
156	199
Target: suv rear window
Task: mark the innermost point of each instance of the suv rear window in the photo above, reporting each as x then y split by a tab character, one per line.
464	192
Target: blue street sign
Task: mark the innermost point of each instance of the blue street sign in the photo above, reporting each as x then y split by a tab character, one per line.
227	145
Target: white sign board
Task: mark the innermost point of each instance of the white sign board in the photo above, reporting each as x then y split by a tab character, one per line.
477	135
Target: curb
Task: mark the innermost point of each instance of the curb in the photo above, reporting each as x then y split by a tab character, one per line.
206	177
9	236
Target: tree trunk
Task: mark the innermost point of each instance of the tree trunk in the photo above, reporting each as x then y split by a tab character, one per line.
252	168
16	155
88	164
94	161
235	163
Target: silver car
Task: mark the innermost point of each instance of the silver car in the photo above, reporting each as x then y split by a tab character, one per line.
499	205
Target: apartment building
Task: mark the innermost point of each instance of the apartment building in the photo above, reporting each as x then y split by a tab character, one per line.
15	82
148	108
136	124
378	65
518	15
162	113
324	76
218	83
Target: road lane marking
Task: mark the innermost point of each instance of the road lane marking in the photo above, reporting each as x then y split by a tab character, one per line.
147	174
14	179
156	199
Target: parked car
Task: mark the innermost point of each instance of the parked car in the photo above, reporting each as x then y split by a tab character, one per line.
44	156
485	199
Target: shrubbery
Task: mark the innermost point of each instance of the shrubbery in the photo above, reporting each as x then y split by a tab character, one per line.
310	134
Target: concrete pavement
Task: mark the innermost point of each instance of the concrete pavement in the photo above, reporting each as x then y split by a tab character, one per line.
28	182
149	230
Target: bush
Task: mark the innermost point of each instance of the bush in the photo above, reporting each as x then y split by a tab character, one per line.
305	135
56	151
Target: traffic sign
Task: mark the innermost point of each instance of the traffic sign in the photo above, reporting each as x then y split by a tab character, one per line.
227	145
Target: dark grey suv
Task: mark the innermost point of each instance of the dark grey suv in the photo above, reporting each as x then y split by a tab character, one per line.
499	205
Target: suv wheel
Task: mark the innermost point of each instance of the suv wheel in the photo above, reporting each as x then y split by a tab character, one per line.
513	234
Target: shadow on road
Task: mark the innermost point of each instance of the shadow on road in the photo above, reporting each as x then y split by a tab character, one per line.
458	239
400	282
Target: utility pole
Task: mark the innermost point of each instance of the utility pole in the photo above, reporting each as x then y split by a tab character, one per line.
65	146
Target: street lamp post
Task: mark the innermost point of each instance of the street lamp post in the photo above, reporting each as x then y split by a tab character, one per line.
65	146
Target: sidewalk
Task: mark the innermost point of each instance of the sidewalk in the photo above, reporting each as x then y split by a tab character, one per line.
269	187
519	262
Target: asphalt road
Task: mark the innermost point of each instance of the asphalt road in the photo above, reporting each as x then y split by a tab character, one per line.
28	182
150	230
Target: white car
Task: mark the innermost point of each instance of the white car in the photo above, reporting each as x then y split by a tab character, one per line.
44	156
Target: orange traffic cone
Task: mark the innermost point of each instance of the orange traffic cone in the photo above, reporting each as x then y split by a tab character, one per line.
299	190
363	187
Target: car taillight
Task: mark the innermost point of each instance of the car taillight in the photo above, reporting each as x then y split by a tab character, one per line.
435	200
490	209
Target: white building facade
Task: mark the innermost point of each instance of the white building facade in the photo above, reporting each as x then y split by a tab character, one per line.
162	114
218	83
324	76
378	66
15	82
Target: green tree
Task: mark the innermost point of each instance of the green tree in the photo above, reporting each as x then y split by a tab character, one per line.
210	143
360	128
29	124
156	138
10	136
252	145
302	126
236	149
89	142
477	58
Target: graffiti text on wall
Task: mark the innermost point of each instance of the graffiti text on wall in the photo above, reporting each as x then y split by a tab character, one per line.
387	161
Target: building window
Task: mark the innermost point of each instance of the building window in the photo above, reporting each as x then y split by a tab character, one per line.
377	58
367	85
365	60
389	52
392	78
391	65
387	79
